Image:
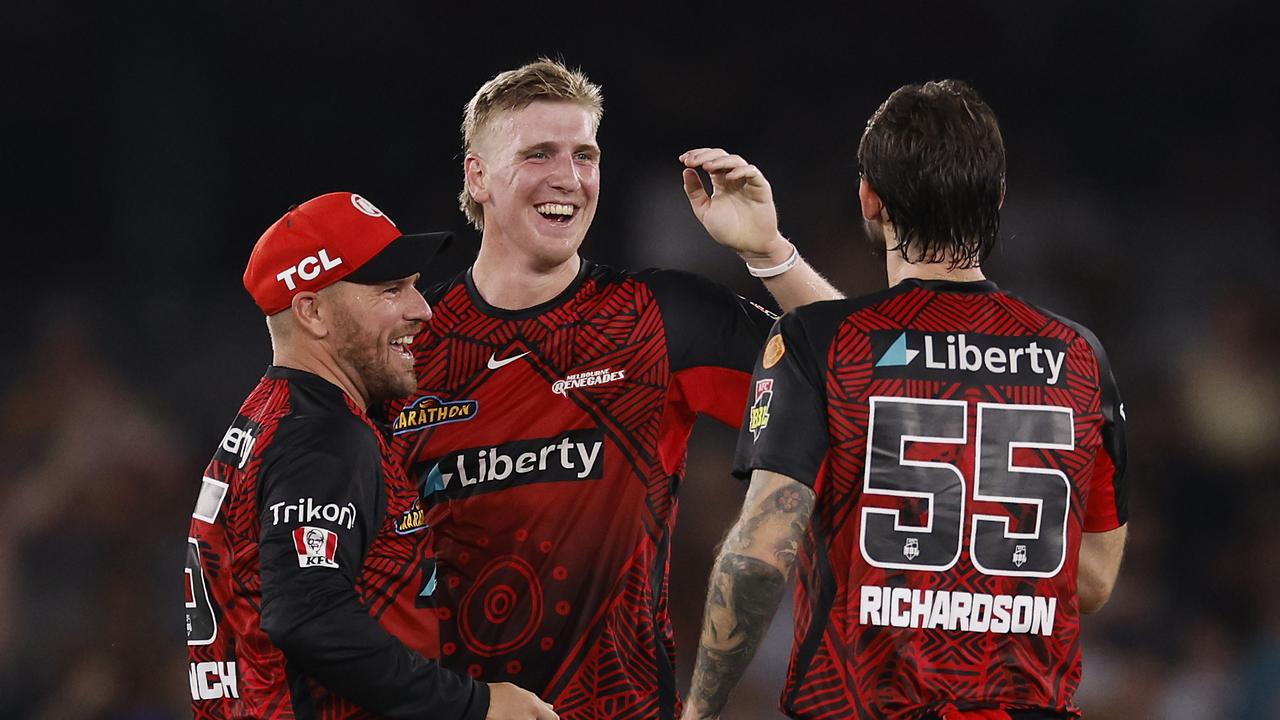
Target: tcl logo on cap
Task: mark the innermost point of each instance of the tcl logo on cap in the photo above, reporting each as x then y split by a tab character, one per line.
310	267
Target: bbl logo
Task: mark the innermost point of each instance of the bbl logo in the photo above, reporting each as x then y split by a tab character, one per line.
430	411
760	408
911	549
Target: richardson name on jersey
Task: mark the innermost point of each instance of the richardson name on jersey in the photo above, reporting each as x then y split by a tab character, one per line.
992	359
954	610
575	455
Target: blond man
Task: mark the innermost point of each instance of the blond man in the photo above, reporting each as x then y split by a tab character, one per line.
555	400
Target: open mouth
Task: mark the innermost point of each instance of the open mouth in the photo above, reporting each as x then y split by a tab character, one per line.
401	346
559	213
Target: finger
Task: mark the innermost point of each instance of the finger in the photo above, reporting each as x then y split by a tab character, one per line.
750	173
694	189
724	164
695	158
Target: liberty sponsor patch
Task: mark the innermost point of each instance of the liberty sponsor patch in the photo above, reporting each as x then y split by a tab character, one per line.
316	547
429	411
237	443
759	419
987	359
774	351
576	455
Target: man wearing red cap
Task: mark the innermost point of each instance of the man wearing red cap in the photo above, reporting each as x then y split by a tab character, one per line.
304	565
555	401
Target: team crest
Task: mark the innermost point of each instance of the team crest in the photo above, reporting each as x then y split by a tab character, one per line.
760	408
589	378
316	547
429	411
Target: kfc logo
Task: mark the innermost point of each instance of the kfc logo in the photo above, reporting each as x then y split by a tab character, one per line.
316	547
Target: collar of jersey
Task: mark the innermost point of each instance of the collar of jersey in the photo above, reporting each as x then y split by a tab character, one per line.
971	286
535	310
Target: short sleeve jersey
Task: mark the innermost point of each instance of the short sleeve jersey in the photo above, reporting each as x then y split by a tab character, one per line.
959	440
304	567
549	444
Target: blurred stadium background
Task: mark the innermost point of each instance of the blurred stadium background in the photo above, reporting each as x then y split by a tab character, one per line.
145	148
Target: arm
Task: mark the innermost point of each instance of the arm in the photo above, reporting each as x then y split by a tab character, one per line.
1100	554
747	584
310	566
740	215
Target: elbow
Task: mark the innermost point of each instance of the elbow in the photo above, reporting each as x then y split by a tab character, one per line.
1093	593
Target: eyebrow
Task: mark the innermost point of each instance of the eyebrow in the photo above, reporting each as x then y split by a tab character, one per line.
551	146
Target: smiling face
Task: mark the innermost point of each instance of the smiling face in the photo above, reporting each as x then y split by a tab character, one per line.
536	172
372	328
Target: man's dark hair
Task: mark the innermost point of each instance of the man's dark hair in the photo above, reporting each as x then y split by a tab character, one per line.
935	156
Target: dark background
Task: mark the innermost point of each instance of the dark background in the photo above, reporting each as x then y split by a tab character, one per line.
145	148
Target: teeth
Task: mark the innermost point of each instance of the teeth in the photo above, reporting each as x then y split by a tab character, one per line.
555	209
403	340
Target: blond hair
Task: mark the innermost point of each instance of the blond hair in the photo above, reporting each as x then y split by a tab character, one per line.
545	79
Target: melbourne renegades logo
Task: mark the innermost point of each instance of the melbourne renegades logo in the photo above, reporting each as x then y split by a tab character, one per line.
316	547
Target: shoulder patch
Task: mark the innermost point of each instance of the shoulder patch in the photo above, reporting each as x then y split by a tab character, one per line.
774	351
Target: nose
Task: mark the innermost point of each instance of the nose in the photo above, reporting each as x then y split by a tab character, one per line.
564	174
417	310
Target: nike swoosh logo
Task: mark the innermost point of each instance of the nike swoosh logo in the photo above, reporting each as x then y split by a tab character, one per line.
495	363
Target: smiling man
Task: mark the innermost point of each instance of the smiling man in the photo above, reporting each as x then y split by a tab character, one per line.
303	558
552	504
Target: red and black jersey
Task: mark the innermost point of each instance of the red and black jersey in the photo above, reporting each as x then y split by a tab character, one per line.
549	444
304	566
958	441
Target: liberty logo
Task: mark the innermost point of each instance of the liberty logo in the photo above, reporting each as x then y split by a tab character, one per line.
1019	555
911	549
898	353
1024	360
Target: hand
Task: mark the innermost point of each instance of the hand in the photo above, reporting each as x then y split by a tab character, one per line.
508	702
739	213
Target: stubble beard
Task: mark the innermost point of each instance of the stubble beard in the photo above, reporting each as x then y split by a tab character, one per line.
363	352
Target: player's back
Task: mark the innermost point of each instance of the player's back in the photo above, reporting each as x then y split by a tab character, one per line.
971	439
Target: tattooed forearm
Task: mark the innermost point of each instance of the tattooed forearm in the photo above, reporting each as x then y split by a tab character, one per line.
747	586
745	593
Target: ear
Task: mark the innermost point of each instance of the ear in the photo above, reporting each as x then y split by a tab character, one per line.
473	173
308	314
872	208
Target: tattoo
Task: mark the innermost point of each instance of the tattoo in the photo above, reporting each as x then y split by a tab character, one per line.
745	594
745	591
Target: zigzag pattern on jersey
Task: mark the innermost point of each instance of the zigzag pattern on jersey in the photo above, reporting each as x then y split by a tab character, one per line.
876	670
608	321
237	587
604	687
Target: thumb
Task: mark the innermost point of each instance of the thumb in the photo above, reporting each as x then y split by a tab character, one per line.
696	192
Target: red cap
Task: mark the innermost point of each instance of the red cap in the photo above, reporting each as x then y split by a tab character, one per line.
338	236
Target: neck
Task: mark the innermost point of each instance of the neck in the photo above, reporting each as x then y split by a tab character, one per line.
510	281
899	269
323	365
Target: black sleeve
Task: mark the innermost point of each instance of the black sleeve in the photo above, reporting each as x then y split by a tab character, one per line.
707	324
1109	495
785	429
321	504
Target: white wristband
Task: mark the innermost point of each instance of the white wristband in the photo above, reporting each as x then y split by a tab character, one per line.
776	270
